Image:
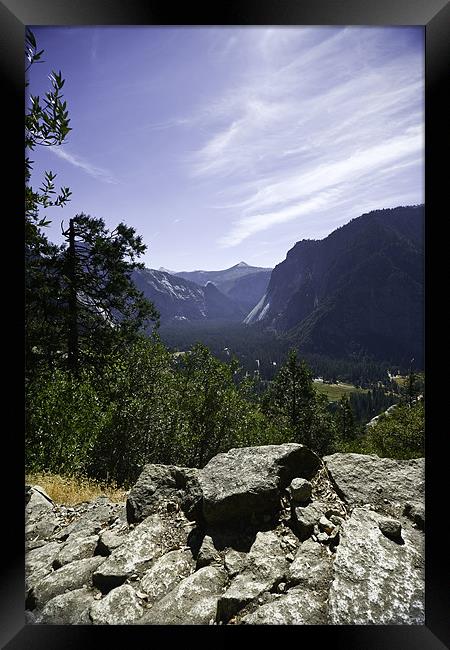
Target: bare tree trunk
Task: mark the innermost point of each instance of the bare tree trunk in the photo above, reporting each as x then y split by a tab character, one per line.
72	343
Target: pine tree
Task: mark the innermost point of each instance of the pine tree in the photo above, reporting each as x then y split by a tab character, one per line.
292	400
345	420
102	306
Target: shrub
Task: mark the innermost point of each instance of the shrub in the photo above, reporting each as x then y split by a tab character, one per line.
64	417
401	434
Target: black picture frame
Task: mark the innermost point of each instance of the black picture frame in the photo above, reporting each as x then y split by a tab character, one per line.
434	16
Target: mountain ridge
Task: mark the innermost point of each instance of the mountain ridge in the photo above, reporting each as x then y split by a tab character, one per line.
359	290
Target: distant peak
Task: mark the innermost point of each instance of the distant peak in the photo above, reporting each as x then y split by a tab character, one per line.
242	264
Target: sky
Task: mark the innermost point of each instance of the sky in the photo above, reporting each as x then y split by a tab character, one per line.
228	144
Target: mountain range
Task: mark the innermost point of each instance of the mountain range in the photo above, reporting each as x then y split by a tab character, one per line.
359	291
204	295
243	283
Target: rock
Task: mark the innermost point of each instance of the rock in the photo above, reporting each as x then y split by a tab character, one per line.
34	495
93	520
30	545
71	576
391	528
108	541
326	525
376	581
166	573
415	512
357	477
40	521
312	567
71	608
265	566
208	554
144	544
120	607
300	490
34	578
192	602
305	518
76	548
248	481
30	617
41	557
336	520
234	562
159	484
297	607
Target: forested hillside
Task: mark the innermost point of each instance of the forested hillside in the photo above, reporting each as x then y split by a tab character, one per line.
358	291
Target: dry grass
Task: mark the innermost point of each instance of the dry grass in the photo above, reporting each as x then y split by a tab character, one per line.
70	490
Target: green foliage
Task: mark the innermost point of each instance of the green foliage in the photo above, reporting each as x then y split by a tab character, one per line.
163	409
296	409
46	124
367	405
401	434
101	304
138	389
345	421
215	414
64	418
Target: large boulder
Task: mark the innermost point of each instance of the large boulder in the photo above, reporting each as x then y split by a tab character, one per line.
312	568
40	557
297	607
76	548
120	607
264	567
159	485
384	483
40	520
39	563
377	580
165	574
248	481
147	542
71	608
71	576
192	602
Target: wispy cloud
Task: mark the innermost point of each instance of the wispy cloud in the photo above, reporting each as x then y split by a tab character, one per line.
317	116
96	172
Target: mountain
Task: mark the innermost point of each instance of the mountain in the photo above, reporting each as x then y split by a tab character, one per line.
179	299
247	290
243	283
358	291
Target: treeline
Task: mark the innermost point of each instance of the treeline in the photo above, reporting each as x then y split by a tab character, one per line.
263	352
104	394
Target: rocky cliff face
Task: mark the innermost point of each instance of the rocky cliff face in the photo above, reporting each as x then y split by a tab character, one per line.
261	535
178	299
358	290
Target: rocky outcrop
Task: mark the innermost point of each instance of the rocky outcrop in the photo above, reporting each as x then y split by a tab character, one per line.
173	487
386	484
377	580
260	536
247	482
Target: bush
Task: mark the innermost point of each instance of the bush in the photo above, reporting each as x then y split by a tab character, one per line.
64	417
401	434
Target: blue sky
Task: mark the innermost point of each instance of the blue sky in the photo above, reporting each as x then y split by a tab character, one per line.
226	144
